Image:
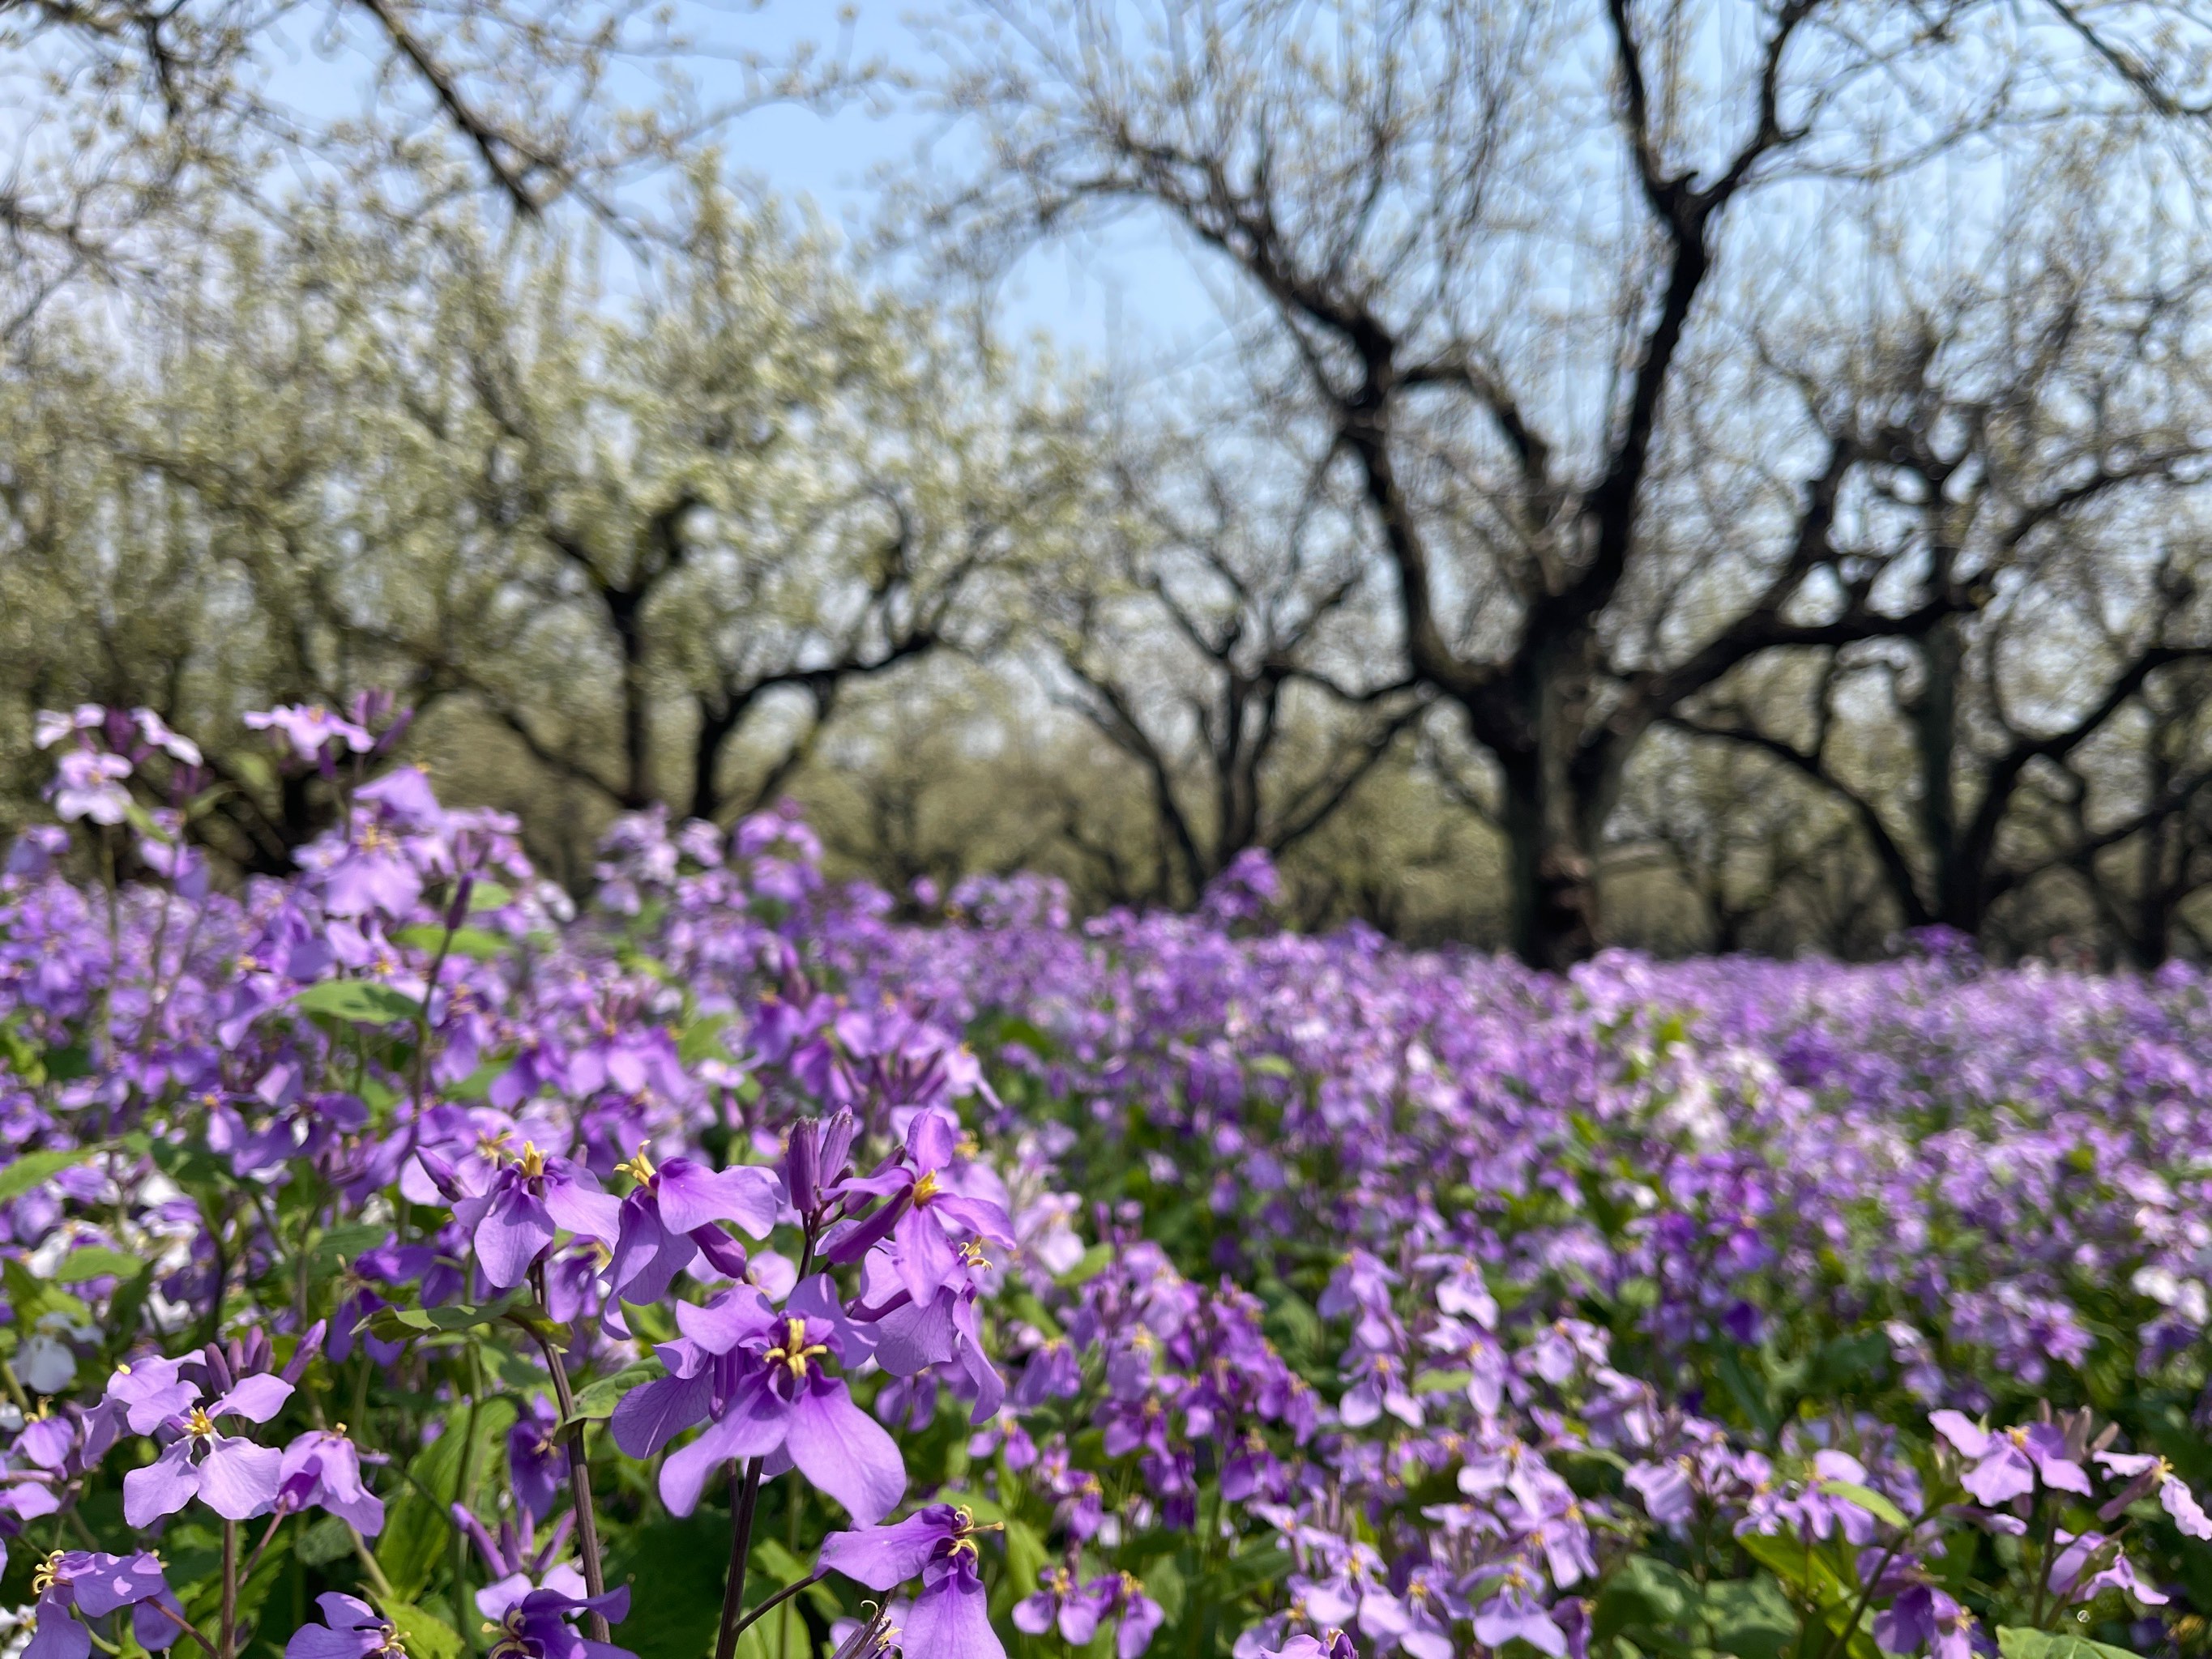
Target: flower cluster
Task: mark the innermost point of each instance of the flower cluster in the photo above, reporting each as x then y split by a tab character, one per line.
403	1259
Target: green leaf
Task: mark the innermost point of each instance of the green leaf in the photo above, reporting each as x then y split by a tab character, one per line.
328	1540
1092	1264
89	1261
488	896
1648	1597
359	999
1867	1498
778	1566
416	1524
478	943
1752	1397
339	1245
34	1299
22	1056
1026	1556
1750	1617
601	1398
400	1324
19	1175
674	1570
2019	1642
424	1635
702	1040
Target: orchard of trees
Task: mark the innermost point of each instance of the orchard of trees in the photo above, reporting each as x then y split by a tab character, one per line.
1700	476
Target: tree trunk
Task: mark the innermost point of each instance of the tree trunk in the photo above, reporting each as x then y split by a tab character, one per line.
1550	868
623	608
1956	863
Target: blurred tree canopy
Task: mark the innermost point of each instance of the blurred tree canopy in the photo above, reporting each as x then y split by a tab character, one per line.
1709	476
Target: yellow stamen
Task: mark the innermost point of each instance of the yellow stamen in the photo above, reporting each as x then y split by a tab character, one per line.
639	1169
533	1161
926	1189
197	1424
796	1350
47	1574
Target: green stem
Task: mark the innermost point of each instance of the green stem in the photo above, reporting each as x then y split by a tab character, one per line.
2042	1574
1841	1638
261	1548
745	1497
189	1628
368	1565
774	1601
579	1474
226	1632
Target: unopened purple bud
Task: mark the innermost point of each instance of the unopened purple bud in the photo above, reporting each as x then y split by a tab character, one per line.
837	1147
458	911
850	1242
303	1356
802	1165
218	1367
723	1254
442	1174
388	739
2137	1489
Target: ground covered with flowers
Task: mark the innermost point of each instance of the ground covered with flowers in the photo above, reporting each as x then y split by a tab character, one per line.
406	1259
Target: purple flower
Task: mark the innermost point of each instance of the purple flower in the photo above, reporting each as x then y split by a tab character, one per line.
88	784
520	1563
2091	1563
2005	1464
1058	1603
93	1586
516	1219
921	1212
1669	1496
537	1458
230	1475
309	729
321	1469
351	1629
950	1618
1077	1612
1332	1644
1514	1611
1121	1595
2147	1474
535	1625
1924	1614
756	1376
663	1224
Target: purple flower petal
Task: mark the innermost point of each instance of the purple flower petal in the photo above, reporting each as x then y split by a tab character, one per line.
884	1557
162	1488
648	1417
846	1453
238	1479
514	1232
257	1399
951	1619
693	1196
575	1201
58	1635
1971	1440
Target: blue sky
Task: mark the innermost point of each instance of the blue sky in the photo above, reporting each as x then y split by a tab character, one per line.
1129	296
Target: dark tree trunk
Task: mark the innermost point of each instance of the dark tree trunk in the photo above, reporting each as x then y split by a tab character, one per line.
623	609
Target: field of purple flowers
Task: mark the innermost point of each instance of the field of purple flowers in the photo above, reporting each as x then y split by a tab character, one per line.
401	1259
